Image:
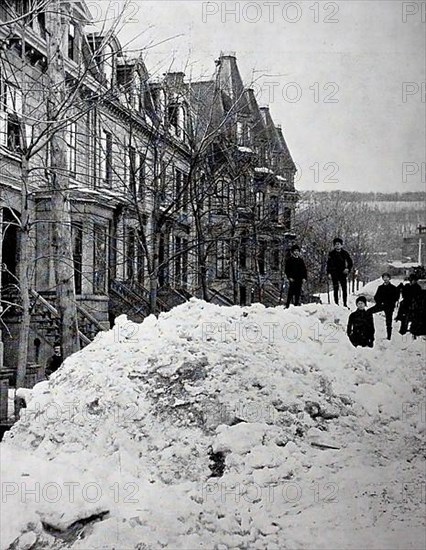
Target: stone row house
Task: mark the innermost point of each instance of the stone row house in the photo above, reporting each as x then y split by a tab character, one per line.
176	188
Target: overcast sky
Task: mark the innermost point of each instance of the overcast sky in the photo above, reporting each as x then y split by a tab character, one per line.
333	74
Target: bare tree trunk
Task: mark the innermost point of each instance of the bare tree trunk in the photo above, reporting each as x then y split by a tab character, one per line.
62	245
24	284
154	265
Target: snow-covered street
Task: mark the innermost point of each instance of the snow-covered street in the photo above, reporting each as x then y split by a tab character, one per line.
214	427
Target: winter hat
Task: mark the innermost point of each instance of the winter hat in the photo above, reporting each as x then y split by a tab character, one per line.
337	240
295	247
361	299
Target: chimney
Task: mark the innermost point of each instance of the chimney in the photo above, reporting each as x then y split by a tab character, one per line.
174	80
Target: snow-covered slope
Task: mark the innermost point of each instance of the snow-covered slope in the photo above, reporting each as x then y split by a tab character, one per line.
215	427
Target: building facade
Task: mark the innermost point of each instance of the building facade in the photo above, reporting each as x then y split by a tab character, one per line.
174	188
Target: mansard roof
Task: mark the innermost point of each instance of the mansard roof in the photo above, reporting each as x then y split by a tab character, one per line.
258	128
230	83
284	147
206	104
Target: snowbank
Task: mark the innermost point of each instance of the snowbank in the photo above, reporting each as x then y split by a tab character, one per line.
215	427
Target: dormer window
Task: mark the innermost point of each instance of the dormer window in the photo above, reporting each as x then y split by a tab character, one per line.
243	133
240	133
157	95
23	8
173	118
138	93
104	61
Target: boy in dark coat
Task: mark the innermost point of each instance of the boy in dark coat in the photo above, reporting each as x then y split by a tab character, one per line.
418	315
54	362
295	269
339	264
386	297
411	293
361	325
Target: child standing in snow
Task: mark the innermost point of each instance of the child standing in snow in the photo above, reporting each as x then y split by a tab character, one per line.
411	293
339	264
295	269
386	297
361	325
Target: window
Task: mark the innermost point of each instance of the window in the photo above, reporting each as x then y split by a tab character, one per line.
77	241
287	218
178	189
10	117
181	261
108	64
260	205
275	255
41	20
242	191
105	157
222	260
185	192
72	149
222	197
243	253
261	257
184	262
71	41
273	208
132	171
23	7
142	174
240	133
157	96
99	259
243	133
162	178
178	259
173	118
183	124
140	259
130	253
138	93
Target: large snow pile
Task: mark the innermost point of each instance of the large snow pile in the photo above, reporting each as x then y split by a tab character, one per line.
215	427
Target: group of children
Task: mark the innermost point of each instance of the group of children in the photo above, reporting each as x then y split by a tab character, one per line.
339	264
411	311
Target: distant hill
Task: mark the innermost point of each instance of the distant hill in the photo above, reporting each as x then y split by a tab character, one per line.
354	196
